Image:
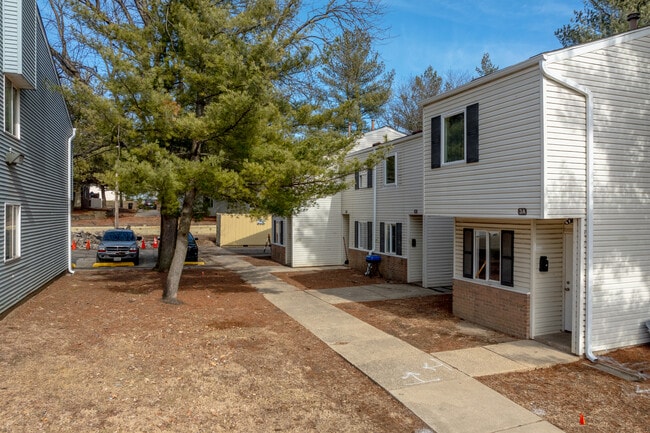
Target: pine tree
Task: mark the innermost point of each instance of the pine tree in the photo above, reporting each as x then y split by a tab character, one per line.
203	110
601	19
356	86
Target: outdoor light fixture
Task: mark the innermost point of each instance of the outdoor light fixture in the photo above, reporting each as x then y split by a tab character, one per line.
14	158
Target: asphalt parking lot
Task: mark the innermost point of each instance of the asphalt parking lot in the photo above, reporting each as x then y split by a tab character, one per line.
87	259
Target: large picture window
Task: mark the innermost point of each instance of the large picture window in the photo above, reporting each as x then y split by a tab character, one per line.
12	108
489	255
12	232
390	238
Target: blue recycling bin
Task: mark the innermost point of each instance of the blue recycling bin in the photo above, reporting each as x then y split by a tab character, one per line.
373	261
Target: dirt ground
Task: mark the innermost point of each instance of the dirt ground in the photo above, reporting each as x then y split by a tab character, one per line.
98	351
558	394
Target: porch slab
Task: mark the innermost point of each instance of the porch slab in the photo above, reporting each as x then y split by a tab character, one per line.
532	353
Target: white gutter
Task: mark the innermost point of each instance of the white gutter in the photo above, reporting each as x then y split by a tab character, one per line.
570	84
70	200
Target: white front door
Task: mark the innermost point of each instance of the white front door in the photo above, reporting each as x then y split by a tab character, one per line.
567	318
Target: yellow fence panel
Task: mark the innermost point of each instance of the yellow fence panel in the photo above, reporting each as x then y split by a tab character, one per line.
242	230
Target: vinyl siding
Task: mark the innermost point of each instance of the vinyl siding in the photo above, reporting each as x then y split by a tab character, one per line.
618	76
438	251
548	290
358	203
508	175
395	202
38	185
415	254
11	35
20	35
317	234
565	157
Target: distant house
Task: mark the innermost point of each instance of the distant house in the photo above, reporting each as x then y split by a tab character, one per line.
35	174
319	235
545	168
380	213
384	215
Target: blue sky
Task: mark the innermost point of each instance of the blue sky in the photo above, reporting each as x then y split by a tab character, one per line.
452	35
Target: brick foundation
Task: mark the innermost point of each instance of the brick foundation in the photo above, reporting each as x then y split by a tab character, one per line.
279	254
501	310
391	267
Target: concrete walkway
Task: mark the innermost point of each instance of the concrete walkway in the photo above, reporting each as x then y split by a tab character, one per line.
439	388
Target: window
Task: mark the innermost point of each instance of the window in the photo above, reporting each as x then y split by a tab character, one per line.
363	179
278	232
455	137
12	108
12	232
390	238
363	235
489	256
390	170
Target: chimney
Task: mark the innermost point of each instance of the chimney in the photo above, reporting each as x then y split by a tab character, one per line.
633	20
372	125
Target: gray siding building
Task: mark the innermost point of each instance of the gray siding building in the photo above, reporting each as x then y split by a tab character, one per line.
35	171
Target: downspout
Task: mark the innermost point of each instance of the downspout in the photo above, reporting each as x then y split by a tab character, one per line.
70	200
374	207
570	84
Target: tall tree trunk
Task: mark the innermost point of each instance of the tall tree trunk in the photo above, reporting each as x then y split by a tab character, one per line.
168	228
170	291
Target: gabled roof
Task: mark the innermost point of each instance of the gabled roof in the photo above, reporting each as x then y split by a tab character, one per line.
549	56
380	135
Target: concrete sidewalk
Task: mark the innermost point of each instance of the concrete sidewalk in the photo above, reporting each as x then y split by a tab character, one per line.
439	388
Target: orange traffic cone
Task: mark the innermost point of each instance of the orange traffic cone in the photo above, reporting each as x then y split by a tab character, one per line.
74	246
582	419
155	242
143	246
87	244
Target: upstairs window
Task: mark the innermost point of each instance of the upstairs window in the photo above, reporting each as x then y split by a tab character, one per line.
363	179
390	170
454	137
12	232
12	108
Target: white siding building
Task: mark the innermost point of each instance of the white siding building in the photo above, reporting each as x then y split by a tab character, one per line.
545	167
35	172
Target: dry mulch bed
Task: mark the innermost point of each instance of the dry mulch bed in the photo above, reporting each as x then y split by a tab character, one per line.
98	351
558	394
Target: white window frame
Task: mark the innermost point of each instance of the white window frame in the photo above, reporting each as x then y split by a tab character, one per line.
390	238
492	243
279	231
363	238
394	182
443	146
12	108
12	231
361	179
